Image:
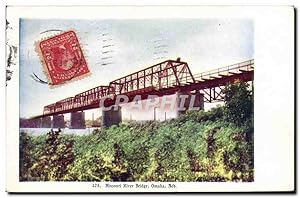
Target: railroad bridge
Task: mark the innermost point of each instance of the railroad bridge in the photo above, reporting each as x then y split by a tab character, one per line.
165	78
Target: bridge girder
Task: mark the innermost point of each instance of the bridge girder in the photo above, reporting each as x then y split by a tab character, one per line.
164	78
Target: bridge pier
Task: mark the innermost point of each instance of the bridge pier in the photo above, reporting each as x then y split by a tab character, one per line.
46	122
189	101
58	121
111	117
77	120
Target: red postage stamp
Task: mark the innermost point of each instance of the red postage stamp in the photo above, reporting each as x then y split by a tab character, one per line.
62	58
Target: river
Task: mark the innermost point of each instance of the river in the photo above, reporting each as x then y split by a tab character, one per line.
42	131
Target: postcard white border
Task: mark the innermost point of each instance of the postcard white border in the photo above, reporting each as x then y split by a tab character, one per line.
273	106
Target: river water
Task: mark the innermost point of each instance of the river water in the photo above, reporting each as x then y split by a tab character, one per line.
42	131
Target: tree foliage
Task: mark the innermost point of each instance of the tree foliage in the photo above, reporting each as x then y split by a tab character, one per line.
199	146
191	148
238	103
26	149
54	160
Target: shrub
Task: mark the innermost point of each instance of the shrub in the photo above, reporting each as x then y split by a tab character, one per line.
57	155
26	160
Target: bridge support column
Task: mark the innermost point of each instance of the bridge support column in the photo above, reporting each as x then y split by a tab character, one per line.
189	101
58	121
111	117
77	120
46	122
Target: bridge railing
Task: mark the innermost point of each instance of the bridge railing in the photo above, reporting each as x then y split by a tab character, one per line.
228	70
223	71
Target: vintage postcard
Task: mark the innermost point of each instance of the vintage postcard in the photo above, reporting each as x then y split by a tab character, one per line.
150	99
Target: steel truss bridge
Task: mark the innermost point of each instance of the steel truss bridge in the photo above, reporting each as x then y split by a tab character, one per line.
164	78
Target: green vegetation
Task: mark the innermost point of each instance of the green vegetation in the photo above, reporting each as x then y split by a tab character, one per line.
216	145
91	123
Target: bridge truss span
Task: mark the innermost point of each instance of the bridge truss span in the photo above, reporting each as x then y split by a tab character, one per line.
164	78
163	75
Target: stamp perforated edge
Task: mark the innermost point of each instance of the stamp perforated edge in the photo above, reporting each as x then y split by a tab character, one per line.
45	68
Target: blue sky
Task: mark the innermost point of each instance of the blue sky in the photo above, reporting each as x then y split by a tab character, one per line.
203	43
